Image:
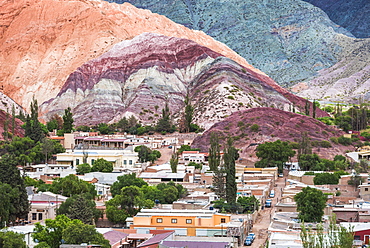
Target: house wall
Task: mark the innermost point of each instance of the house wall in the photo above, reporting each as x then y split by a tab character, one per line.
363	235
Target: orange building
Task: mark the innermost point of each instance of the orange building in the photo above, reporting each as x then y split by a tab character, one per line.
184	222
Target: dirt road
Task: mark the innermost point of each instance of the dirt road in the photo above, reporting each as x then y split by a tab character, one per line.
263	220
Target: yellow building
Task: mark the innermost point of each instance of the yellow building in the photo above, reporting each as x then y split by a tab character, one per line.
184	222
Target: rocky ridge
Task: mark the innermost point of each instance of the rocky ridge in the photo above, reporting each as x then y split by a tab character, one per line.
137	77
43	41
271	124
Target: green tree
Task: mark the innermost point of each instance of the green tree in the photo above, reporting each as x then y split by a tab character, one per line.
11	239
325	178
33	128
196	165
124	181
275	153
102	165
146	154
249	204
310	204
214	158
174	162
67	121
219	182
17	196
82	169
70	231
130	200
164	123
230	155
188	114
333	236
79	207
308	161
13	119
47	147
72	185
77	232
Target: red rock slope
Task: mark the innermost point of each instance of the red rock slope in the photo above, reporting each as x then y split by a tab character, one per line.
43	41
273	124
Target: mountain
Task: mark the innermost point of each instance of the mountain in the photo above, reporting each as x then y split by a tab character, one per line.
292	41
353	15
348	80
289	40
43	41
138	76
258	125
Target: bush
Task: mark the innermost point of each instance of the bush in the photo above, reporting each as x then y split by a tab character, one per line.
325	178
255	128
344	141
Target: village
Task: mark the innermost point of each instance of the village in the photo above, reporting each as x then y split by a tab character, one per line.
193	221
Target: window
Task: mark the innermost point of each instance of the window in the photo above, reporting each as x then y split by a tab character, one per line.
188	221
92	161
223	220
159	220
40	216
34	216
124	162
366	189
130	162
174	221
77	161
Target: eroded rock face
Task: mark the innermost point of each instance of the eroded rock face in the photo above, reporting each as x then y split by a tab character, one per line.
289	40
139	76
272	124
348	80
292	41
43	41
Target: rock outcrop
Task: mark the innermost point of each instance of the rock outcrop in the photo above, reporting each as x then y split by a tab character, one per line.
258	125
138	76
43	41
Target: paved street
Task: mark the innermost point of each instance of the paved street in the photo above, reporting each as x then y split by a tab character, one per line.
263	220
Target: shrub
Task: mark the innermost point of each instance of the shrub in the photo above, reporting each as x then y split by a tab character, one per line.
230	97
255	128
344	141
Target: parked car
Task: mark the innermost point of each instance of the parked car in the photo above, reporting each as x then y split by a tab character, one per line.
281	175
252	236
248	241
272	193
268	203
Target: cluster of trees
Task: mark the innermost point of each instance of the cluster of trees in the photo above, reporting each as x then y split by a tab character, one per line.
312	162
13	198
130	194
62	124
243	205
100	165
275	153
332	236
146	154
63	230
224	184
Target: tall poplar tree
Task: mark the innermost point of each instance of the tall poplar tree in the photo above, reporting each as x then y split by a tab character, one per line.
230	155
214	158
67	121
